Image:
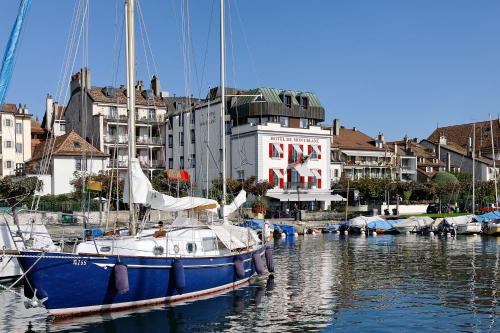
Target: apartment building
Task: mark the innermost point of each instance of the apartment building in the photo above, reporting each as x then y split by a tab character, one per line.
355	154
15	137
99	115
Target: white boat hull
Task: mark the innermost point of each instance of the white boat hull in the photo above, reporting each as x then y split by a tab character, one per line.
469	228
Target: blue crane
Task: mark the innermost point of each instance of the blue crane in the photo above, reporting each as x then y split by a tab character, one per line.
11	49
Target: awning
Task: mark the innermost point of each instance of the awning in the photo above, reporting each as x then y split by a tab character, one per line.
297	148
316	149
303	170
306	197
278	173
316	173
278	148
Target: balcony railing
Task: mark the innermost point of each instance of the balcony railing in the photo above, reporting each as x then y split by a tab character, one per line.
302	186
142	119
118	164
147	140
116	138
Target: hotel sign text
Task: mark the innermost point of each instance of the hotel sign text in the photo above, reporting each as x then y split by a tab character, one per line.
294	139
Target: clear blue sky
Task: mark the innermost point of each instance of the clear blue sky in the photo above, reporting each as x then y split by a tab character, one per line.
394	66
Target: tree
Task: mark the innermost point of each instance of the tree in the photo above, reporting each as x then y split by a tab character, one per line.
14	188
162	183
104	177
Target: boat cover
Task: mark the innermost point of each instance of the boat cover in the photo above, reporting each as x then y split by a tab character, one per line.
362	221
487	217
234	237
459	220
381	224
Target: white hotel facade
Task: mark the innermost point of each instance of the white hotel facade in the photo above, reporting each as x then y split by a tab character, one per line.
267	132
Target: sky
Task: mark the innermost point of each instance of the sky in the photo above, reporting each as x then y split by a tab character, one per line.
393	66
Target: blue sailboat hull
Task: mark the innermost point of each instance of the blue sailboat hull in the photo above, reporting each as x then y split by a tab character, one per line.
78	284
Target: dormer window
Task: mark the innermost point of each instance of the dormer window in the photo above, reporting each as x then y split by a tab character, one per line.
304	102
287	99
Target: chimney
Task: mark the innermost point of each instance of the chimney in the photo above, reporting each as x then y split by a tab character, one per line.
381	137
139	86
438	148
336	126
354	129
49	111
395	148
469	147
155	86
75	81
443	140
448	162
86	77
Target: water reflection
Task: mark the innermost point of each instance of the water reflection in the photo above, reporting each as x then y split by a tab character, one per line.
384	283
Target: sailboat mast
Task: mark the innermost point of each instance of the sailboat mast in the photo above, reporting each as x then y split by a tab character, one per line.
494	164
130	50
474	168
223	108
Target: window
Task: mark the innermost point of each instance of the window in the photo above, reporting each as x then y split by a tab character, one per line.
228	127
336	173
193	136
287	99
181	119
8	164
209	243
170	163
304	102
169	123
80	164
428	169
113	112
170	141
62	127
181	138
304	123
314	152
284	121
276	181
276	150
181	162
193	118
19	147
151	113
8	144
240	174
193	160
295	178
191	247
8	122
19	128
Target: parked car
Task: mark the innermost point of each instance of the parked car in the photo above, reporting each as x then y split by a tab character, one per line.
434	208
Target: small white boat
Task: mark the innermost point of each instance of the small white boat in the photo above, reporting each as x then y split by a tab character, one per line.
464	225
492	227
412	224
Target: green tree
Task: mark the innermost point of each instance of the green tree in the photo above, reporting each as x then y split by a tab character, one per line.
15	188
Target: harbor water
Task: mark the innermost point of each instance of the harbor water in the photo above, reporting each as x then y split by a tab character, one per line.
330	282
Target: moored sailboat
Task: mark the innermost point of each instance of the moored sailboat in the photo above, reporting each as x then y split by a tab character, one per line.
185	260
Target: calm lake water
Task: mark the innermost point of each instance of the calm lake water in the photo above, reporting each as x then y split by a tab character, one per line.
327	283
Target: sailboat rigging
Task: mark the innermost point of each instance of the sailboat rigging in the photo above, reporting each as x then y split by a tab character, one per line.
184	260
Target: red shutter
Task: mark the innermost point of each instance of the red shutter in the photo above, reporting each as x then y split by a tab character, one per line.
290	150
288	176
282	146
310	180
319	179
271	174
309	150
270	150
302	180
319	155
301	156
282	180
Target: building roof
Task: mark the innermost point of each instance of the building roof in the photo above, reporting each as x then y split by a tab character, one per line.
8	107
69	144
273	95
119	96
459	134
412	147
354	139
452	146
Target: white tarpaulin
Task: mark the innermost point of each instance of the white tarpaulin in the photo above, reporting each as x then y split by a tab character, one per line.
234	237
143	193
459	220
239	200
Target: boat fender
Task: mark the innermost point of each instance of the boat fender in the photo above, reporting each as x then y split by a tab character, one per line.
121	277
179	276
258	263
269	259
283	235
296	234
239	268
